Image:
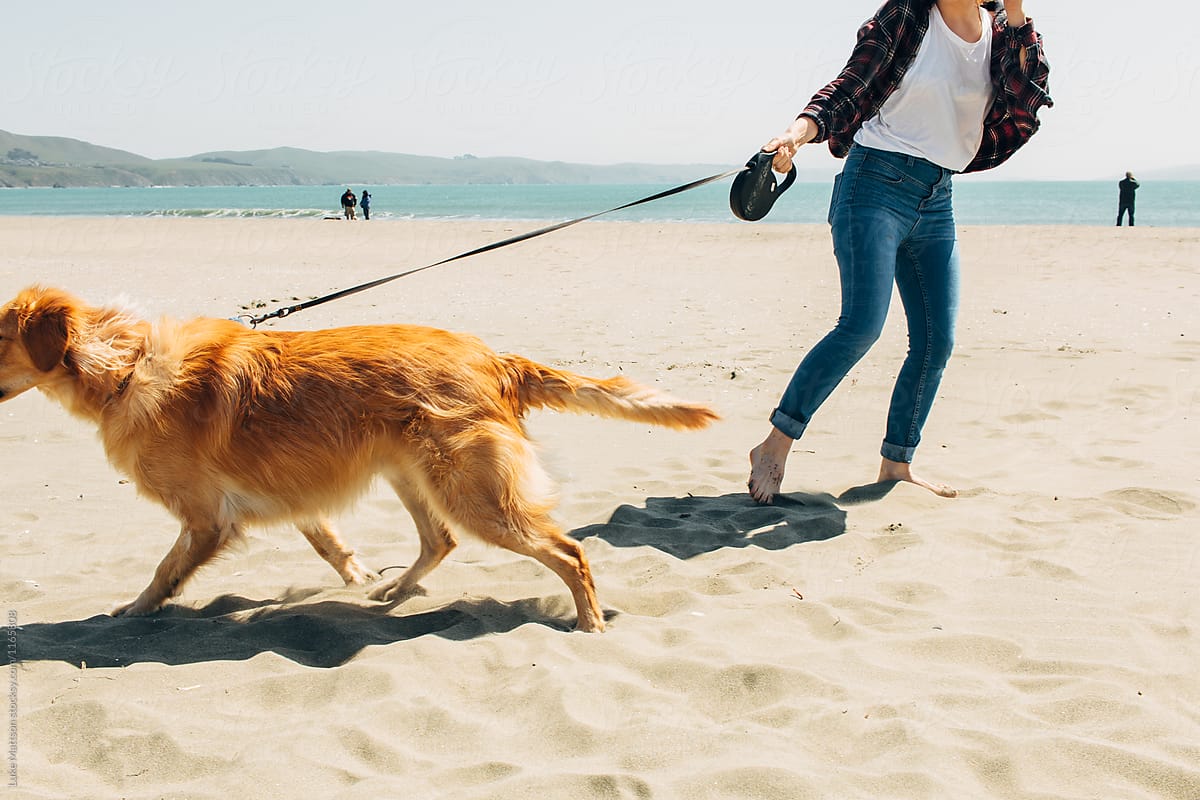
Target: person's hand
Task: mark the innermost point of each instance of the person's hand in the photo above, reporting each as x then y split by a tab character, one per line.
1015	11
800	132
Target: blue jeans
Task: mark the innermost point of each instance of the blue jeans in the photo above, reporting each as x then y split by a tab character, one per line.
893	222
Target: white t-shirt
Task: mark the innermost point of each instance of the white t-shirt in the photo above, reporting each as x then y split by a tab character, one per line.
938	109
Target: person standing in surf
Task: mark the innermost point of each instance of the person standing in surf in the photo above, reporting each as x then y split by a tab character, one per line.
932	88
1126	196
349	201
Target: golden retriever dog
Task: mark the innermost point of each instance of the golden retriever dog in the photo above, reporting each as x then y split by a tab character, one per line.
228	426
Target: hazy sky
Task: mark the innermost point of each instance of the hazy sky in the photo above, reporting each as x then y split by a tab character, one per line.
665	82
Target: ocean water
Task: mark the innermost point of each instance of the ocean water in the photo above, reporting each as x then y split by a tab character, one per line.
977	202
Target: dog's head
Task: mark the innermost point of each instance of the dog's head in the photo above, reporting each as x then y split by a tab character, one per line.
36	330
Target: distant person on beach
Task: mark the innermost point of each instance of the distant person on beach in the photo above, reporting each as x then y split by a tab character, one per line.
365	204
932	87
349	201
1127	188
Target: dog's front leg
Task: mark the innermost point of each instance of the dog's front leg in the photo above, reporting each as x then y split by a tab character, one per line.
195	546
437	541
330	547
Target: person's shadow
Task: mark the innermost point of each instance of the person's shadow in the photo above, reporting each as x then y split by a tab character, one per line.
685	527
328	633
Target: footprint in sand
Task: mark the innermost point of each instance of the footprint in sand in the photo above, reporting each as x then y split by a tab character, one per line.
1142	503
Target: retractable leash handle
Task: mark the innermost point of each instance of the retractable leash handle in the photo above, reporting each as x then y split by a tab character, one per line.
280	313
755	190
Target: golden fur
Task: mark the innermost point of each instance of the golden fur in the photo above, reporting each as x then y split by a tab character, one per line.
227	426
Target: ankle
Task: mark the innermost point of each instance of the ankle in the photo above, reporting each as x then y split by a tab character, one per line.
894	470
777	443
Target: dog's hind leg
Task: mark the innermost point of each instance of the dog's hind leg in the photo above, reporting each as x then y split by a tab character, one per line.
495	489
437	540
331	548
541	539
196	545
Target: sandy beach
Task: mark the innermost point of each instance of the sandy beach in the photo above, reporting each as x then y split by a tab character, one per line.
1037	637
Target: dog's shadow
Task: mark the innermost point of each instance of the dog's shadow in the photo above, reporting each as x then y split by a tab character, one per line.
325	633
328	633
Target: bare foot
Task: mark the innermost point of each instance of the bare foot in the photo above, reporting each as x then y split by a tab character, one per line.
766	466
899	471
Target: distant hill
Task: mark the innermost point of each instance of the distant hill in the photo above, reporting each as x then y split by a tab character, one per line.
1188	172
52	161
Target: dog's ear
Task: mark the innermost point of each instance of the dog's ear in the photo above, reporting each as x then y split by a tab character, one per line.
45	325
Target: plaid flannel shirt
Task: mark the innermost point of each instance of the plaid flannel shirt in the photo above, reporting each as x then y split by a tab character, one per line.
887	45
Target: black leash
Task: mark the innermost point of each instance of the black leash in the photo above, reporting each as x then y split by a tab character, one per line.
280	313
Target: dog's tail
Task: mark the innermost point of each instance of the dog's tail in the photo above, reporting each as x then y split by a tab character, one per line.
539	386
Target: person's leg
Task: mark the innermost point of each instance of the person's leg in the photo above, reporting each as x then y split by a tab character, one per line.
866	292
1131	215
866	264
927	280
866	232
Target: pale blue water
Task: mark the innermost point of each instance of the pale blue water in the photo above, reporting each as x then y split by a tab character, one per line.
1162	204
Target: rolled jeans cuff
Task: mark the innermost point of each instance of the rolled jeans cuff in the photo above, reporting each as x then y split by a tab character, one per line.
793	428
894	452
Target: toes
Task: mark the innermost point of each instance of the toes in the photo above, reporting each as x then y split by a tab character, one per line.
764	491
940	489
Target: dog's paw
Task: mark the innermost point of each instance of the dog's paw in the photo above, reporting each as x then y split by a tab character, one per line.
394	591
382	592
358	575
135	608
